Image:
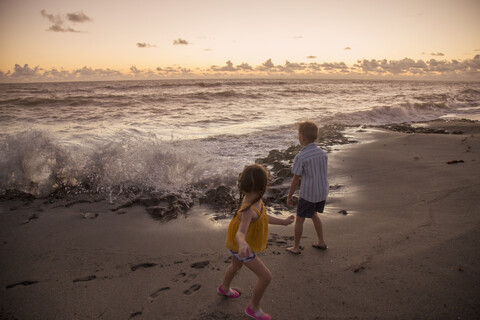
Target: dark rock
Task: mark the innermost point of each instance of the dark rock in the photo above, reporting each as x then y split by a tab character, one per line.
277	181
221	197
284	173
344	212
162	213
163	208
14	194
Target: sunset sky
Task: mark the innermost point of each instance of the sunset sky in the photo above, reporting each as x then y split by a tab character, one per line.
68	40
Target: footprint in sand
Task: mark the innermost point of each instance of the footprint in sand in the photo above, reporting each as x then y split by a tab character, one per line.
84	279
136	314
179	276
22	283
143	265
200	264
189	278
156	293
192	289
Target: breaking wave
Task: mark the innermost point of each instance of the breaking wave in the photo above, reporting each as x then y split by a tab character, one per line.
36	162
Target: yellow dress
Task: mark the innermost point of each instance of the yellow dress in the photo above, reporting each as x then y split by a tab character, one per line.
257	232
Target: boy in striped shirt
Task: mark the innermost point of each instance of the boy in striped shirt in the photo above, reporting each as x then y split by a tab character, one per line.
309	166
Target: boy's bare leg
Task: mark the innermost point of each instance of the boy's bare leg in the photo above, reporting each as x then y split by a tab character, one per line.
298	231
264	278
232	270
317	223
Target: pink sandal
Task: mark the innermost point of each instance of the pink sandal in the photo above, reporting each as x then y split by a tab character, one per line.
257	315
232	293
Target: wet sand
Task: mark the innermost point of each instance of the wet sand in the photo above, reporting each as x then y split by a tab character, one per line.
408	247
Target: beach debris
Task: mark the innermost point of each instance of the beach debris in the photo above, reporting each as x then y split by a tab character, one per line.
22	283
84	279
143	265
455	161
344	212
200	264
90	215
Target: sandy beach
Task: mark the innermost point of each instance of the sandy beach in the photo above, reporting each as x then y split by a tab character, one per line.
408	247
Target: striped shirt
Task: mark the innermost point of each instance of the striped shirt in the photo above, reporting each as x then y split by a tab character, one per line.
311	164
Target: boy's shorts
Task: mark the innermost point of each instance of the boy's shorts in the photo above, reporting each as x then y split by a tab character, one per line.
307	209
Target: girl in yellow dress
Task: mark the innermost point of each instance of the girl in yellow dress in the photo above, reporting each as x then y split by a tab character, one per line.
247	235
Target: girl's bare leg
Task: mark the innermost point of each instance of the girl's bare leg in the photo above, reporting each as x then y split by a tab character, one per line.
317	223
232	270
264	278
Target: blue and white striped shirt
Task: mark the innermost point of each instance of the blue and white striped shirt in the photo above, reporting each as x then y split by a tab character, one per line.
311	164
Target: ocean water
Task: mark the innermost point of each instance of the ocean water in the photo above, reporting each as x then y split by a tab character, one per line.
169	136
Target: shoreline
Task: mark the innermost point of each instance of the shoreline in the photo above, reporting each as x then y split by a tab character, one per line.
407	247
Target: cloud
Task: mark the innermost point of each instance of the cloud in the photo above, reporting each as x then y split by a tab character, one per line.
25	71
145	45
406	68
58	23
78	17
228	67
244	66
180	41
173	71
298	37
311	57
347	48
432	67
266	66
438	54
290	67
394	67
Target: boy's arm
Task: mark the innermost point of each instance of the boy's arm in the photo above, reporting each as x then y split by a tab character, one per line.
293	187
244	250
283	222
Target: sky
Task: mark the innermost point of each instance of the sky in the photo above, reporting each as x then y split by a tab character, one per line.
48	40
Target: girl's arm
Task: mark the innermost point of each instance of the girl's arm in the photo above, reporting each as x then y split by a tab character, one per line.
282	222
244	250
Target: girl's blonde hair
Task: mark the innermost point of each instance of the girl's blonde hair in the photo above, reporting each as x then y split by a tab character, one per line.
254	178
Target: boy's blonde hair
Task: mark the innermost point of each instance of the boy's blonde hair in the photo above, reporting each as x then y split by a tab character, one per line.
308	130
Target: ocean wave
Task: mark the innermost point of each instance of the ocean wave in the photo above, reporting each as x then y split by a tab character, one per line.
387	114
36	162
